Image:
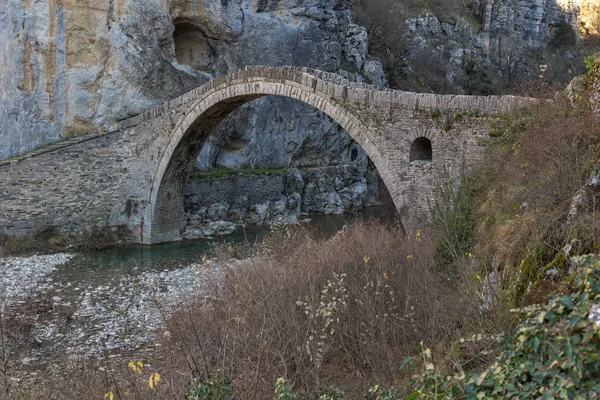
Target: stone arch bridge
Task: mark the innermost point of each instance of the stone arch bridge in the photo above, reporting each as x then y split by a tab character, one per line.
136	174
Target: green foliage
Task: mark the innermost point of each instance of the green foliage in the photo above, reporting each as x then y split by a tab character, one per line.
380	393
592	64
454	217
504	132
555	354
564	35
216	387
226	172
285	391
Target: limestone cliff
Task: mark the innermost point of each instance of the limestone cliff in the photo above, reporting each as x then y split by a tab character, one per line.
489	45
71	67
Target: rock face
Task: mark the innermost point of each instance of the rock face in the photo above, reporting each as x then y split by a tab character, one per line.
277	132
214	206
494	43
531	21
72	67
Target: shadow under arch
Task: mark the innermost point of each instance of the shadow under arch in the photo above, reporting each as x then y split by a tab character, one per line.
164	215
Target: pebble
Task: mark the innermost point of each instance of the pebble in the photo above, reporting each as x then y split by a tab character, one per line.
124	315
20	277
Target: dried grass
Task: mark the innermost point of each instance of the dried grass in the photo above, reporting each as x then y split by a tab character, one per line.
346	311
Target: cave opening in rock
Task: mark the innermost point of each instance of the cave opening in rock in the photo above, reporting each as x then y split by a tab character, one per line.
192	47
420	150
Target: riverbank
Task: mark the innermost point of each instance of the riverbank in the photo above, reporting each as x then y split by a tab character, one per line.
90	305
49	316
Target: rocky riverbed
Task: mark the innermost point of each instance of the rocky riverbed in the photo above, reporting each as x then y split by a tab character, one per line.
111	303
20	277
120	315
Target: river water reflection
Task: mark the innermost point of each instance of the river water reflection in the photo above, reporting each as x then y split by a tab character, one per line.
97	268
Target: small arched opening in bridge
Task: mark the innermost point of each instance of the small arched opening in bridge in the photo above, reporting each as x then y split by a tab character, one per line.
421	150
164	218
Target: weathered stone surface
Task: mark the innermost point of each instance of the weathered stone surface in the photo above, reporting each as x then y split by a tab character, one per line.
531	21
275	132
294	181
70	68
252	189
503	40
334	190
272	198
136	175
75	67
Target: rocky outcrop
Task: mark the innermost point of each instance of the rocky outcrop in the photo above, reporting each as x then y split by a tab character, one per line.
529	21
494	44
216	206
278	132
75	67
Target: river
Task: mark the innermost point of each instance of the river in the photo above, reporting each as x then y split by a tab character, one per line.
115	301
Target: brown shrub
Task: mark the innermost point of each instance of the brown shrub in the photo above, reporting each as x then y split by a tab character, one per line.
343	311
346	311
540	159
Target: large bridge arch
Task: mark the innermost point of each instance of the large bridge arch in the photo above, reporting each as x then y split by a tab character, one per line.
163	219
134	175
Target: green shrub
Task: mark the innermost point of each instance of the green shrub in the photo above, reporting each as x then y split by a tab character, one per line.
454	218
216	387
564	35
555	354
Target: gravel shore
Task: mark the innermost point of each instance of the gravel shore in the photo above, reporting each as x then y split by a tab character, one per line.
122	315
21	277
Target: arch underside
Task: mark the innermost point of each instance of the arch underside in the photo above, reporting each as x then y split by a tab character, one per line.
164	217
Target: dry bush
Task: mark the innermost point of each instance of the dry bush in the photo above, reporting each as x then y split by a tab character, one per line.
540	159
90	379
344	311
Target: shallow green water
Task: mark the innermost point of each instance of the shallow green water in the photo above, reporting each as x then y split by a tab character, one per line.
98	268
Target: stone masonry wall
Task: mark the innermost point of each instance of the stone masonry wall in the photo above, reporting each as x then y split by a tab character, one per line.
111	179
